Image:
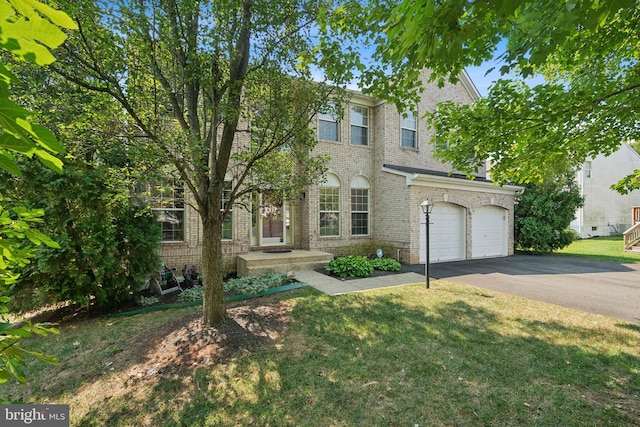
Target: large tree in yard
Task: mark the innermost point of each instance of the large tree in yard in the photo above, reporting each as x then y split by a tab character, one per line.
586	50
221	90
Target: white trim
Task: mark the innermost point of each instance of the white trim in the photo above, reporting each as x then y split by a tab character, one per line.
469	85
450	183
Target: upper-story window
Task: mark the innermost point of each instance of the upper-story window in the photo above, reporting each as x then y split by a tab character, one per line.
328	128
409	130
167	199
359	125
587	169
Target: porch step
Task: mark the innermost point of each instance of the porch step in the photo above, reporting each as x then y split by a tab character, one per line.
256	263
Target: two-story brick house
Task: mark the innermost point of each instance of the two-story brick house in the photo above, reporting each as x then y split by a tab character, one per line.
381	169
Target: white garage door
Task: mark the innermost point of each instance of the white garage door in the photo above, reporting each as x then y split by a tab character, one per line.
488	232
446	234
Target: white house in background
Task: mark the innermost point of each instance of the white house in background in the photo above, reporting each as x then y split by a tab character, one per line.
606	212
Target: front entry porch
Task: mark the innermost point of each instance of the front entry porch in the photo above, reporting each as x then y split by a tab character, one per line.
259	262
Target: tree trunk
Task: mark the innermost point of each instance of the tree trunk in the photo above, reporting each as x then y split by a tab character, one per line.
213	299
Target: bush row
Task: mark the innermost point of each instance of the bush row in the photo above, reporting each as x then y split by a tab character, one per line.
361	266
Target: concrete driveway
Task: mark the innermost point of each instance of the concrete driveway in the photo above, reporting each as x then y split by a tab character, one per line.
601	287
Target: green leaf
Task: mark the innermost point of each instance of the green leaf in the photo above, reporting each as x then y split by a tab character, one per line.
8	164
58	17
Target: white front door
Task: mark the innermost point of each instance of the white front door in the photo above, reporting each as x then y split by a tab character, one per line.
271	224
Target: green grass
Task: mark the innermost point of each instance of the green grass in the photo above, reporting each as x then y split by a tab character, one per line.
604	248
404	356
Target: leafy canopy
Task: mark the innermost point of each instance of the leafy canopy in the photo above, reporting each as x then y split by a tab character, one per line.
586	50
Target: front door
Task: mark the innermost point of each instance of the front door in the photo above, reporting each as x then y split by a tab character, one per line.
271	223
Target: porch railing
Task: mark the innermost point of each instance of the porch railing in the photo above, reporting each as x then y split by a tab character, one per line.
632	235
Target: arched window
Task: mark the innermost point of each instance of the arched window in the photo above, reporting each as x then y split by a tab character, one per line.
360	205
329	193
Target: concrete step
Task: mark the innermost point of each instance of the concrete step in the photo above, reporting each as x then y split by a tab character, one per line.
259	262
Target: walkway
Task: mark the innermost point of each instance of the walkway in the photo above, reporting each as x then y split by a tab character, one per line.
332	286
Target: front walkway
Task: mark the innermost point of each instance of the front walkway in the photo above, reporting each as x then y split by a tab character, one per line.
332	286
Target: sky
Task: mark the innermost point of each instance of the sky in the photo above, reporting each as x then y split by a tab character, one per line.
482	82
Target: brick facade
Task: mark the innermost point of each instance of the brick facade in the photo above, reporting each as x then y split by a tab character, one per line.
395	193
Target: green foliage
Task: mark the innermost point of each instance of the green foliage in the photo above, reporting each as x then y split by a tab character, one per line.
106	244
543	214
586	106
29	30
368	249
254	285
351	266
385	264
147	301
191	294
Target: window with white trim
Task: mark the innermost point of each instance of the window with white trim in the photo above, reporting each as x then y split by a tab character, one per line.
227	223
329	197
359	206
359	125
328	129
587	169
167	199
409	130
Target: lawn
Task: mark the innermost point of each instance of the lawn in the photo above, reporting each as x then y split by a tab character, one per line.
606	248
404	356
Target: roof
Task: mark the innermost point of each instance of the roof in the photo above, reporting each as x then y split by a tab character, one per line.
428	177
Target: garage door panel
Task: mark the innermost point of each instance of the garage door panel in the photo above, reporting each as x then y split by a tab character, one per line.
489	232
446	233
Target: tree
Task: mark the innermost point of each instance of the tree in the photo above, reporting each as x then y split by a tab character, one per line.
107	236
586	50
29	28
221	90
544	212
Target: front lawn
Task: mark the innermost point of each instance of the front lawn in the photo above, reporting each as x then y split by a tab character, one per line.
605	248
404	356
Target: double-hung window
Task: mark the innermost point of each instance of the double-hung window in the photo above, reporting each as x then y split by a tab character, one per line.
328	129
167	199
409	130
359	125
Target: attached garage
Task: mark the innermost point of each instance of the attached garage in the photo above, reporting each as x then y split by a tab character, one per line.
489	235
446	233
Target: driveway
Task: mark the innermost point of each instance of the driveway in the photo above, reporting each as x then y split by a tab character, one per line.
601	287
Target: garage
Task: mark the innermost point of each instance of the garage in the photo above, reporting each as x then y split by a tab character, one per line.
489	232
446	233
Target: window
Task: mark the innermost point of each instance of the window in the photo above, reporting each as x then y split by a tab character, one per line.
330	207
227	223
359	125
359	206
409	130
328	129
587	169
167	199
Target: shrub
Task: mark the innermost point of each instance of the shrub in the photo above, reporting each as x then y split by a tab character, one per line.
385	264
351	266
191	294
147	301
254	285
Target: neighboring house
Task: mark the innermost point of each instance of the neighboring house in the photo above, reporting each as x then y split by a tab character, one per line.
606	212
381	169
